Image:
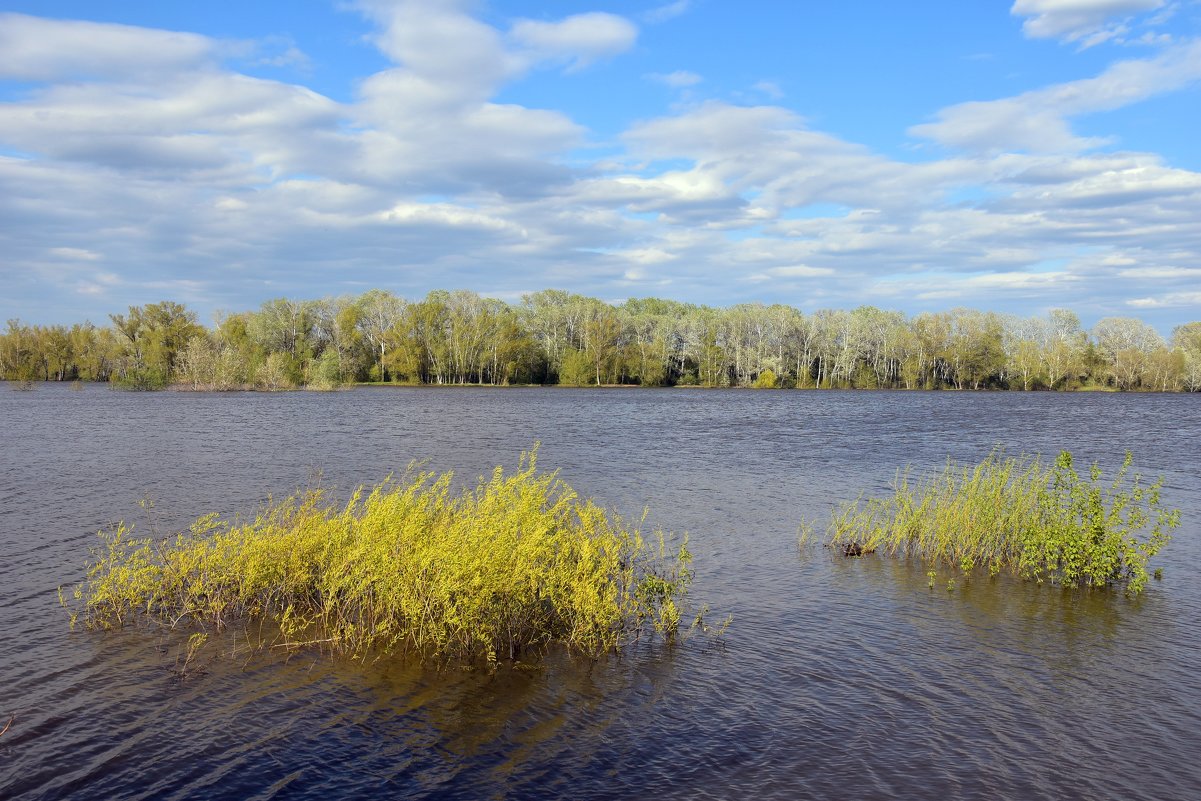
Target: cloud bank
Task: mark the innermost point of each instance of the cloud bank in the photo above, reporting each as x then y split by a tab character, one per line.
136	164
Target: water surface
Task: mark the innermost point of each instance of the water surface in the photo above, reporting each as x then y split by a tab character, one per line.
839	678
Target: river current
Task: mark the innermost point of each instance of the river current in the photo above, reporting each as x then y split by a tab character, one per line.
837	678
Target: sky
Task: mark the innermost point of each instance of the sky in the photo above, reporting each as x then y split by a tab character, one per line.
919	156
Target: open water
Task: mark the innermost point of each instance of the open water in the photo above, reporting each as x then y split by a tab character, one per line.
838	678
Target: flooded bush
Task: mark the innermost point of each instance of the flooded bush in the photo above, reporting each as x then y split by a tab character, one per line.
1038	522
514	564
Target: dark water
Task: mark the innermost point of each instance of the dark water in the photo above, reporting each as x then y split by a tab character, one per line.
838	678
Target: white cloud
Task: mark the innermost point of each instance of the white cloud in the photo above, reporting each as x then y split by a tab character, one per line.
1038	121
665	12
447	215
1087	21
88	288
429	124
32	48
1173	299
75	254
951	288
278	51
769	88
676	80
230	189
1019	280
647	255
799	271
1153	273
212	126
579	40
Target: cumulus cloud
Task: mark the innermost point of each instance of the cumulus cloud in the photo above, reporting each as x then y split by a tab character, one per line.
443	51
429	123
1087	21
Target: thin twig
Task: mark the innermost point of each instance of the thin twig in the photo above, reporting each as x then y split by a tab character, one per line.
8	725
302	644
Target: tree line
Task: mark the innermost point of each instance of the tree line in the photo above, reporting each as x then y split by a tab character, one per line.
555	337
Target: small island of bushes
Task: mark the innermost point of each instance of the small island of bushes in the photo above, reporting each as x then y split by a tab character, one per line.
488	574
1017	516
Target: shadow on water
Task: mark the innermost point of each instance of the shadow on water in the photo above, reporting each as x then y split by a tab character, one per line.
1059	624
409	729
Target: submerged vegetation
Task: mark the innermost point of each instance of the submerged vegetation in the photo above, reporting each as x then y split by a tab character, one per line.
1017	516
489	573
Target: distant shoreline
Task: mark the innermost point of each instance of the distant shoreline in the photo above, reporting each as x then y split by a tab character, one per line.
249	388
553	337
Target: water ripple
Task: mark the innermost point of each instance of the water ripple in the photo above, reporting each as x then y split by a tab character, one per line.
839	678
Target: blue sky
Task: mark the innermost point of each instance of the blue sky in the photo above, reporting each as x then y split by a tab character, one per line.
1010	156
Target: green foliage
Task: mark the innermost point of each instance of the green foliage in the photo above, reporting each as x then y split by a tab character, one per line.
1019	517
577	369
274	373
766	380
153	337
490	573
461	337
203	364
325	372
140	378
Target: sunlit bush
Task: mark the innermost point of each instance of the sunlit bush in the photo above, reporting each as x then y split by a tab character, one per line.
514	564
1017	516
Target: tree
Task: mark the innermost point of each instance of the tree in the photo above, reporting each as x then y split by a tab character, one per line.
18	357
286	327
336	331
209	364
576	369
1187	339
603	334
1064	348
932	351
649	345
1024	344
1125	345
274	373
976	352
554	319
379	311
154	335
416	345
512	353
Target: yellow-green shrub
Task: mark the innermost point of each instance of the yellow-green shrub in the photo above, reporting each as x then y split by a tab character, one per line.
515	563
1015	515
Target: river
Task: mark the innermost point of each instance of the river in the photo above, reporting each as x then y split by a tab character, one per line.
837	678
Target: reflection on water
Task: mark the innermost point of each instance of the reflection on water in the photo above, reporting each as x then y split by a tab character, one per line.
838	678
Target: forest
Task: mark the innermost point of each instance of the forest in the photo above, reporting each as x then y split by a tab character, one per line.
555	337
